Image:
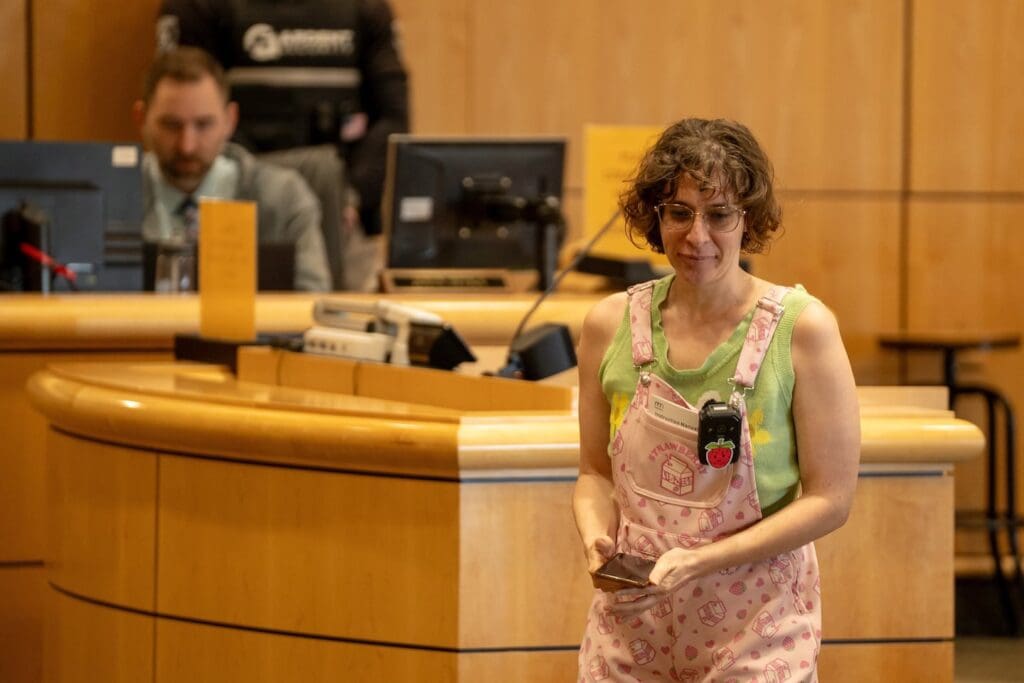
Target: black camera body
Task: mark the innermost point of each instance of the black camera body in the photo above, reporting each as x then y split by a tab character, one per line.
718	434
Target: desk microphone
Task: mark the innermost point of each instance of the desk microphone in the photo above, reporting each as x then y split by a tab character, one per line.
547	349
47	261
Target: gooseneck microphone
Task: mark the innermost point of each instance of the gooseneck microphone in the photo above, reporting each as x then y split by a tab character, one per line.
547	349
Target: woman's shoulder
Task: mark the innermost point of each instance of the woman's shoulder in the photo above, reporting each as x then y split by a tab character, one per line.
807	319
790	294
794	298
816	327
604	318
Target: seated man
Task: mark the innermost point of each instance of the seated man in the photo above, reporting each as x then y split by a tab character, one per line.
186	119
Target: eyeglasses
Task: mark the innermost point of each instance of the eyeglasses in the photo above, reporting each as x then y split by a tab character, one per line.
680	217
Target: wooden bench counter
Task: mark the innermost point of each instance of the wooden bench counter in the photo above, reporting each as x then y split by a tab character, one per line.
37	330
206	529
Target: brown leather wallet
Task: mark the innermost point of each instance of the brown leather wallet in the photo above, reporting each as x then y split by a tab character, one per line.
623	571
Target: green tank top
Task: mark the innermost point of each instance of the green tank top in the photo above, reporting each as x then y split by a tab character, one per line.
769	405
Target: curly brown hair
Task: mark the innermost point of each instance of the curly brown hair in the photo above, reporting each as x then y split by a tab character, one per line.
719	155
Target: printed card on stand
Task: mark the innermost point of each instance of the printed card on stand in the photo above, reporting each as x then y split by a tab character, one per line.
610	156
227	269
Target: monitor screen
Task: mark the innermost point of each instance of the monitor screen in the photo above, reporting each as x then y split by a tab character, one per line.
88	198
469	202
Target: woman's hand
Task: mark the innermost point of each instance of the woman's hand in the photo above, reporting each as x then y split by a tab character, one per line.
599	551
674	569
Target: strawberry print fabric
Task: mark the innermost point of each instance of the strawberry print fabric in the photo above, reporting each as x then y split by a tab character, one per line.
755	622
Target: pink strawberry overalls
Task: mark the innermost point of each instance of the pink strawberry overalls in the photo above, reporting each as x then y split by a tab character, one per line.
755	622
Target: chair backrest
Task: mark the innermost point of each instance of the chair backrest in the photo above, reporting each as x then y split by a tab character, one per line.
324	171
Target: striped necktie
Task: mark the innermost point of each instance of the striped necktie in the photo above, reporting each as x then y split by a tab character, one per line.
189	212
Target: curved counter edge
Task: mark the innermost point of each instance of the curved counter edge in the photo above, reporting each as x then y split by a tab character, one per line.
279	434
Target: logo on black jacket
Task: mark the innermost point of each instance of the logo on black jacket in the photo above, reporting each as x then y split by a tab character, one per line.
264	44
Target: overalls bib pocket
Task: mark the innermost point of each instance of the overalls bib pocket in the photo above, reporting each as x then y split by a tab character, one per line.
662	463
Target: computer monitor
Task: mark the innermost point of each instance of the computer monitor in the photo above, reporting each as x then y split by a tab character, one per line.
473	203
88	196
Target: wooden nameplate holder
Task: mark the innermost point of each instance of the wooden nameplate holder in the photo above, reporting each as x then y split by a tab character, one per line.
407	384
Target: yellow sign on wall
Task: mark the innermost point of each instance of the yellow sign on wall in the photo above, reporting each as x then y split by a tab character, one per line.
227	269
610	156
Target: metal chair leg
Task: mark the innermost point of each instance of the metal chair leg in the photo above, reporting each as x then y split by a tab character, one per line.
995	521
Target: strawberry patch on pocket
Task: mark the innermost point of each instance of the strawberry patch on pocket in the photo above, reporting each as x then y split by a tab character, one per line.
719	453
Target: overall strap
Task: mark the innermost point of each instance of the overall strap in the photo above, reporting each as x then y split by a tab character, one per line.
762	327
641	297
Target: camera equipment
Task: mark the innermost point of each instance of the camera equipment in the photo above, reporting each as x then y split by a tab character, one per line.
718	434
385	332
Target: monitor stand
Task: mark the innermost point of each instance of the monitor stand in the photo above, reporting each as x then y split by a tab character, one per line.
457	280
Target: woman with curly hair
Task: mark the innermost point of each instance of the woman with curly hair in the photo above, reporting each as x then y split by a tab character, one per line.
719	433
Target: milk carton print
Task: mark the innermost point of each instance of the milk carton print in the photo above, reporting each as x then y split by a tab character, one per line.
645	548
712	612
676	477
781	570
723	658
662	609
688	541
599	670
641	651
709	519
758	330
765	626
777	671
688	676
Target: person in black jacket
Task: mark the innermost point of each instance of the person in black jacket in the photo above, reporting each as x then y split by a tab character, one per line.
306	72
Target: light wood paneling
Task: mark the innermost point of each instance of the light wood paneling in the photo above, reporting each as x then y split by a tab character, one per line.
911	399
14	69
200	654
319	373
432	387
102	520
967	100
816	82
22	591
908	521
539	559
856	662
87	643
137	322
22	463
829	246
435	42
89	57
442	394
22	451
296	549
964	256
540	667
205	654
193	653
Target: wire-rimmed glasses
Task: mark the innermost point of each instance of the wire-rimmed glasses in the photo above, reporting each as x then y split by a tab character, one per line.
680	217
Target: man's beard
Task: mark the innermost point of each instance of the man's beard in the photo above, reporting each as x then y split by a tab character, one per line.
188	171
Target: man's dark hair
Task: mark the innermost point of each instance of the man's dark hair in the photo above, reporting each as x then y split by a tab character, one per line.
185	65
